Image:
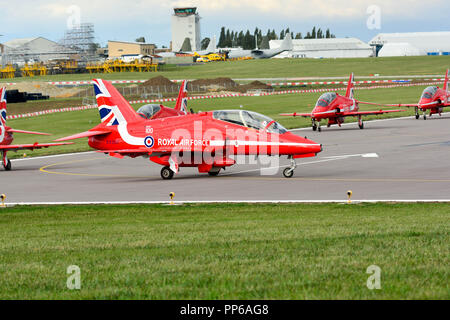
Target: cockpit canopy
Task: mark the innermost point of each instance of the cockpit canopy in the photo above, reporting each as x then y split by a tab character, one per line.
429	92
326	99
149	110
249	119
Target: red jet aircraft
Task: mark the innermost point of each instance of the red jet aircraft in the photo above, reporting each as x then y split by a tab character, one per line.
204	140
433	98
336	108
6	136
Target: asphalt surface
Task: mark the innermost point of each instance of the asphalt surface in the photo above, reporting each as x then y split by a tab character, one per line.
401	159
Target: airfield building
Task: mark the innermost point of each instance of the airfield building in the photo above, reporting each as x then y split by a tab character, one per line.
411	44
325	48
117	49
30	50
186	24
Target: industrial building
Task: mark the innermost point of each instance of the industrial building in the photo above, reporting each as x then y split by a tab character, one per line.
117	49
186	24
412	44
31	50
325	48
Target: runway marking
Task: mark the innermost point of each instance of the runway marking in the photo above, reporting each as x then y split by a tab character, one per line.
44	169
233	174
331	158
53	156
327	159
348	179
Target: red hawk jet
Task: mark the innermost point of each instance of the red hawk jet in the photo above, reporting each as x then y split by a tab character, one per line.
336	108
206	140
433	98
6	136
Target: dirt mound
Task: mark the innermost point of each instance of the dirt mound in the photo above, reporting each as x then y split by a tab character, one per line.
255	85
158	81
225	82
46	89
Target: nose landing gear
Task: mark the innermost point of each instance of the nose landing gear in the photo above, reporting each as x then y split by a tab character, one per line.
316	125
289	172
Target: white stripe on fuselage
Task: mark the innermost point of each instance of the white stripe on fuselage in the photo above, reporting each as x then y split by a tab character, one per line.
139	141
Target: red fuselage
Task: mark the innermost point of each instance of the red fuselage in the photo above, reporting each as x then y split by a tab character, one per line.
331	106
202	133
434	99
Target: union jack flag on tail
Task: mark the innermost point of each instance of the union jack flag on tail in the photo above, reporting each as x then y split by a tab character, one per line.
112	106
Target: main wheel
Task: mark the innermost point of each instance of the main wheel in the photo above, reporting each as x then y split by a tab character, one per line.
314	128
8	165
319	129
361	126
417	116
214	173
288	173
424	117
166	173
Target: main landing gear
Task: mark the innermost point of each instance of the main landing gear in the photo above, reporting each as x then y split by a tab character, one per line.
214	172
360	123
6	162
166	173
289	172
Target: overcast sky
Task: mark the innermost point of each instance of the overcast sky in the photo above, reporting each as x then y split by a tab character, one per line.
127	20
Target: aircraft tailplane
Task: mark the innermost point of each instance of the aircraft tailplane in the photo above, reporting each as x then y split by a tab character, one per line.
446	81
350	86
287	45
113	107
212	45
181	104
3	106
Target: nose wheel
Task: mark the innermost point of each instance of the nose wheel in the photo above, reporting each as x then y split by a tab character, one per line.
289	172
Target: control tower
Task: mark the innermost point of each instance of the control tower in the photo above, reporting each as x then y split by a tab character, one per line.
186	24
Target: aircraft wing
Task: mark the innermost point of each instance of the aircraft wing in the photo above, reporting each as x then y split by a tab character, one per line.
31	146
85	134
27	132
295	114
367	113
120	153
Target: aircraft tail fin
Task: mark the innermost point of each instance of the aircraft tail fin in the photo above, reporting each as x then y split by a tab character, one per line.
3	106
181	104
287	45
350	86
212	45
112	106
446	81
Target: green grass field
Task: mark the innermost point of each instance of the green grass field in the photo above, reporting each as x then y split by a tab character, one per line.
64	124
280	68
238	251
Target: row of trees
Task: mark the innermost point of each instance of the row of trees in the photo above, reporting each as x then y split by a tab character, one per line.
248	40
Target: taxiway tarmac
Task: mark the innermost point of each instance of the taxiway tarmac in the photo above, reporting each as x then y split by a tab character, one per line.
395	159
